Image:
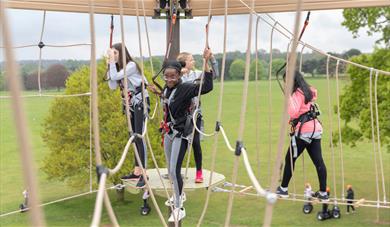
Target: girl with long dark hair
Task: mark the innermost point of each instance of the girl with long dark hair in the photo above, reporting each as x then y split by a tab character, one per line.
305	134
132	72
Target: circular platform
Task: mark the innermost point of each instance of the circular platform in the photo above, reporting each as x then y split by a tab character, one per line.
189	182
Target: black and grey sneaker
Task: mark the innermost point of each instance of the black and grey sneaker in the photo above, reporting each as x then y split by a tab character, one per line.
322	197
131	176
281	193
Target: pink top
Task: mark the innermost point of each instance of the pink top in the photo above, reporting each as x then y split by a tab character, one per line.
297	106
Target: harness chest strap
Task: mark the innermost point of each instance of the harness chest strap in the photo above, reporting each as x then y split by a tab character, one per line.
312	114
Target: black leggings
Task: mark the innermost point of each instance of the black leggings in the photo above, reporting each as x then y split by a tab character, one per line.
314	150
137	123
196	145
350	204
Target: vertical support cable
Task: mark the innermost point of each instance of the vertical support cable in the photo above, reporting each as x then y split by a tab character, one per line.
374	147
339	128
26	156
378	137
284	119
331	127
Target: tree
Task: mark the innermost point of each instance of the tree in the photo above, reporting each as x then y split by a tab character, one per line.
237	69
374	19
31	81
56	76
350	53
3	83
261	70
276	65
66	131
310	66
355	100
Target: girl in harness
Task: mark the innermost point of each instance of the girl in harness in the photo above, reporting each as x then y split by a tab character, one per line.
306	131
177	124
192	76
131	72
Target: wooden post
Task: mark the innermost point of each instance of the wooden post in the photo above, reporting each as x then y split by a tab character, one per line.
175	45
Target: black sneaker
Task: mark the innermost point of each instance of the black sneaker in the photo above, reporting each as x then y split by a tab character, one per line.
131	176
281	193
322	197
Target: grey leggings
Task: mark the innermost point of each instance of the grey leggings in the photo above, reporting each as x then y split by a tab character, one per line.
175	149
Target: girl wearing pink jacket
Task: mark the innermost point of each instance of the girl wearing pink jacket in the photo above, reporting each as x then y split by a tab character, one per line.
305	134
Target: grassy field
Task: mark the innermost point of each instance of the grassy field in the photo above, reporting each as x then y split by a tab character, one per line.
247	211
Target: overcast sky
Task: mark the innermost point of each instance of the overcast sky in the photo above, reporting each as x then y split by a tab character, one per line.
324	32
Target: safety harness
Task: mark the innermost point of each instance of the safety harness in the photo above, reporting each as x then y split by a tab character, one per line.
169	127
310	115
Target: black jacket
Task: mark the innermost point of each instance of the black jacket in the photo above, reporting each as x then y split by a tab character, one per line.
181	101
350	194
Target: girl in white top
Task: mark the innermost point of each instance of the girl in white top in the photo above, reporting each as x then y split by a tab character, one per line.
190	75
134	78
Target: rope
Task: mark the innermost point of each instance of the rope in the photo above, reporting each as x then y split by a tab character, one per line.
331	128
288	36
49	95
257	99
194	117
339	202
242	116
55	201
373	145
40	52
378	137
290	148
205	64
282	132
95	117
270	101
303	153
26	155
219	117
339	127
150	55
145	114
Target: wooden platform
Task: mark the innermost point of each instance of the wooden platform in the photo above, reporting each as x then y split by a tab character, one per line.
189	182
199	7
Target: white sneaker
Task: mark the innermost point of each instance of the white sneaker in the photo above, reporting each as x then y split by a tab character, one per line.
171	201
178	214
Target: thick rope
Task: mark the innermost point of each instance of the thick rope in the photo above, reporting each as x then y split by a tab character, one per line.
257	99
145	114
205	63
339	128
242	116
290	148
374	146
219	117
95	118
26	156
331	129
378	137
284	120
303	154
270	101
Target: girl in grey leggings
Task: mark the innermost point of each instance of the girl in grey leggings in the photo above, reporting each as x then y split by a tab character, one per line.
177	124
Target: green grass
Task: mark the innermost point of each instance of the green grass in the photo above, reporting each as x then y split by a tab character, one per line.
247	211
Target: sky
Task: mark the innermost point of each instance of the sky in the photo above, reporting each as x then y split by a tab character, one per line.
324	32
